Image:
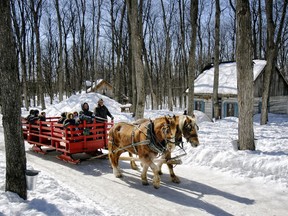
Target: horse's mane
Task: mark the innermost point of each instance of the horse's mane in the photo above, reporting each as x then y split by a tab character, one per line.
182	121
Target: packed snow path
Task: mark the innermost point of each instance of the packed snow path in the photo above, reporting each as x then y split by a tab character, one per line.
203	191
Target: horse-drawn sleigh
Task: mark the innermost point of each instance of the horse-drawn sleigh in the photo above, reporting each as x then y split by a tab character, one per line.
145	138
48	135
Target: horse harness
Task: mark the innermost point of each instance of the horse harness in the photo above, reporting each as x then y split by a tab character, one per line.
151	141
155	145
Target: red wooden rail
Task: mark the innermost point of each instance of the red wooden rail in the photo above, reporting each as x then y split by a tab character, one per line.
67	140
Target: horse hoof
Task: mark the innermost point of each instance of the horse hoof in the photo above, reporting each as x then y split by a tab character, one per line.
176	180
156	186
117	173
119	176
145	183
134	167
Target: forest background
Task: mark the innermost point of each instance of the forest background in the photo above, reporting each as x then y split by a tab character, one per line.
61	44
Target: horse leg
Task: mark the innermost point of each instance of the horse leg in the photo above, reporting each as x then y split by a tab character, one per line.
147	162
156	177
174	178
163	158
144	174
114	160
132	162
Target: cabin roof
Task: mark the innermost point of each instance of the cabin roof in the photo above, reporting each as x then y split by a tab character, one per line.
98	84
227	78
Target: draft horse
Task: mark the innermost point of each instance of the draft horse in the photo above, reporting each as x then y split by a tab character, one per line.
146	140
187	128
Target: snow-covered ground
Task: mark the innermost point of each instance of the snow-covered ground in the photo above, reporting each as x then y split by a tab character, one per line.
216	179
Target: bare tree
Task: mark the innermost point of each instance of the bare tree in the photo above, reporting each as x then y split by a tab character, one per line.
60	58
118	73
136	43
244	53
36	8
96	18
11	106
192	55
216	60
183	50
20	33
49	59
150	65
272	52
112	5
67	23
167	61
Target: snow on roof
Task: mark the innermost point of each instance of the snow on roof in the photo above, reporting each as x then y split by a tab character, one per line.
227	78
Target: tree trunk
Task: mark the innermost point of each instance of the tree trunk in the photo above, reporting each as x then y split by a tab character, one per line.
136	43
36	20
272	52
192	56
183	70
20	32
216	60
118	73
244	53
149	77
61	60
97	40
167	62
11	107
112	2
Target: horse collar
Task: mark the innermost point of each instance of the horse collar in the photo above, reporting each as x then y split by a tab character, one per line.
154	145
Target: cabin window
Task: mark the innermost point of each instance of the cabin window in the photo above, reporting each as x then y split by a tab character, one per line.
199	105
230	109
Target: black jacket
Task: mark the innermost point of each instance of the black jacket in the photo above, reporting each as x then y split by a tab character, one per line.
102	112
85	114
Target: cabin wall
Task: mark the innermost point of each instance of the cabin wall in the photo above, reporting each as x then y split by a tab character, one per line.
279	86
204	104
105	90
229	105
277	104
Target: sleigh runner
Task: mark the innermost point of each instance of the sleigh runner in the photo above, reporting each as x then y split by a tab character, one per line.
45	136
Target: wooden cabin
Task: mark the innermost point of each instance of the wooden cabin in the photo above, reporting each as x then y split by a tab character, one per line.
102	87
227	91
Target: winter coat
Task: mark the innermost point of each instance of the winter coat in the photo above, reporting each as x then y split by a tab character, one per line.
63	117
102	112
85	114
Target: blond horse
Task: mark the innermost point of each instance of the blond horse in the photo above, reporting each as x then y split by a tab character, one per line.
186	127
146	140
